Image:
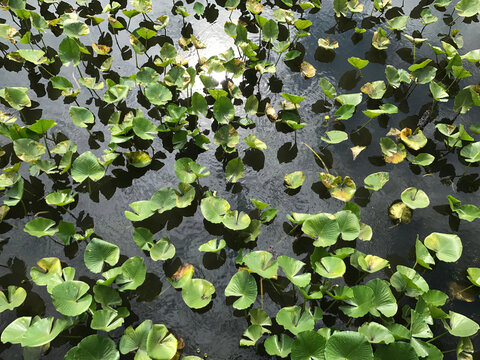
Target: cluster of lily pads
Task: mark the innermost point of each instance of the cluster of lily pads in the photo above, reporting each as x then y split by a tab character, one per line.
387	317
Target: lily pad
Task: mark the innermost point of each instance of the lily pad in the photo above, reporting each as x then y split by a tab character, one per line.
376	181
197	293
294	180
324	228
415	198
261	263
242	285
447	247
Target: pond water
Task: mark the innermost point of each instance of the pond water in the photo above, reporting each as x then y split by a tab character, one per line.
217	329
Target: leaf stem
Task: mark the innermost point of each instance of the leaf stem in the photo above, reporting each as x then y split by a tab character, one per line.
436	337
319	158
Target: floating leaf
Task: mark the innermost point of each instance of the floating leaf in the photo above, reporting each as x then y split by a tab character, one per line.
322	227
291	267
41	227
376	181
260	262
234	170
357	62
94	347
70	298
294	180
447	247
380	40
335	137
294	320
415	198
392	153
87	166
15	297
340	189
212	246
242	284
309	345
197	293
279	346
307	69
374	90
98	252
330	267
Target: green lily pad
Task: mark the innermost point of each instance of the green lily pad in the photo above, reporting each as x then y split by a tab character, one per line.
348	345
471	152
474	275
447	247
223	110
323	228
41	227
309	345
135	339
16	97
108	319
460	325
466	212
294	320
197	293
98	252
242	285
376	181
279	346
235	220
212	246
361	303
189	171
60	197
162	250
144	128
348	224
86	166
161	344
327	88
396	351
70	298
157	94
261	263
28	150
15	297
467	8
335	137
291	267
409	281
422	255
376	333
270	31
357	62
234	170
330	267
415	198
94	347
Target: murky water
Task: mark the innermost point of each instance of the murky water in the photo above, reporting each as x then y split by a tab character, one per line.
216	330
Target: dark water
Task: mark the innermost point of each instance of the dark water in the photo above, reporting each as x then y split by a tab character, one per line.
217	329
